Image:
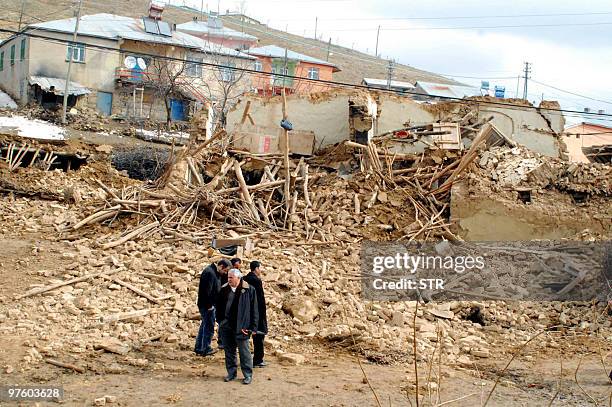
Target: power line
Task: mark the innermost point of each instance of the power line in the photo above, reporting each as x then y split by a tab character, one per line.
70	59
475	27
595	116
365	58
477	77
452	17
399	68
526	79
572	93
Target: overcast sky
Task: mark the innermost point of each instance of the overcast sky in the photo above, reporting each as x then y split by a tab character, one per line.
568	42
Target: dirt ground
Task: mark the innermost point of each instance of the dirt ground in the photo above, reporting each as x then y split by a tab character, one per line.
173	375
333	380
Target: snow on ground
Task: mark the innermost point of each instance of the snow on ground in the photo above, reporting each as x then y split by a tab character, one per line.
33	128
176	137
6	102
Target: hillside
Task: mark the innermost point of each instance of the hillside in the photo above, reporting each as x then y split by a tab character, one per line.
354	65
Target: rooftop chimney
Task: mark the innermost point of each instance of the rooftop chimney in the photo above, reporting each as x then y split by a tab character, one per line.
155	10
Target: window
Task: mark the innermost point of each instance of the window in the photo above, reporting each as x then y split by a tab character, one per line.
13	54
2	61
258	66
23	49
280	80
227	73
194	70
313	73
77	51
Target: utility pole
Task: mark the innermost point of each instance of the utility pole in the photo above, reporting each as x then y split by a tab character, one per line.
23	4
285	70
390	69
377	35
328	49
518	84
316	24
526	78
74	38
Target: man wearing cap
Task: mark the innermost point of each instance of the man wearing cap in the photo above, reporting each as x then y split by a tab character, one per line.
238	318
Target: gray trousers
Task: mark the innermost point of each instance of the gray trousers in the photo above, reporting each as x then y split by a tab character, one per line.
230	343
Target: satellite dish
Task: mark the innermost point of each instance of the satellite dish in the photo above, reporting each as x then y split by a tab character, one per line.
129	62
142	64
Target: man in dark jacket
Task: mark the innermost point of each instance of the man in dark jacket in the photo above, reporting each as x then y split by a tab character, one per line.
237	315
254	280
208	292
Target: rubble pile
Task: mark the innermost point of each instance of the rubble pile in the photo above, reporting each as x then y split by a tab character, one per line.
520	167
120	299
29	167
130	255
82	118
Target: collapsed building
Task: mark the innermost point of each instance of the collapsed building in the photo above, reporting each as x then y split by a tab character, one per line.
358	167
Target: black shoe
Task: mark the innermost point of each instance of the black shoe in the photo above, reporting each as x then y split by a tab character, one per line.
247	380
199	353
228	378
209	352
260	364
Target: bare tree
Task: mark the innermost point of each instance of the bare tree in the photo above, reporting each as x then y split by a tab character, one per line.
167	77
225	80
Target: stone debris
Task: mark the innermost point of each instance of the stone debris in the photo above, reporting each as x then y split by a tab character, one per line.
518	166
292	359
137	285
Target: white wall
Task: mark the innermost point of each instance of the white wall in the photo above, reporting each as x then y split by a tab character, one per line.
327	115
525	126
13	78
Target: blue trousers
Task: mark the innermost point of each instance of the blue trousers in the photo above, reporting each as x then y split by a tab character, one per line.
206	331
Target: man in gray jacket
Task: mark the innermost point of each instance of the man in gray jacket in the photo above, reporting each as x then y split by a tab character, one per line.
238	317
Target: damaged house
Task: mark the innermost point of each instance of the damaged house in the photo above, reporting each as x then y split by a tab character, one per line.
113	70
589	142
277	60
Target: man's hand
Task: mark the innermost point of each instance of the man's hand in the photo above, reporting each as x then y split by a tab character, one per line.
244	331
211	308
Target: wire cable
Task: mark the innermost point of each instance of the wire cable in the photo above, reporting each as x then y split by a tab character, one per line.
596	116
572	93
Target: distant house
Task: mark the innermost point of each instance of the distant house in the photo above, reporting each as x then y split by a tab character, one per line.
277	60
589	142
429	90
397	86
213	30
112	69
